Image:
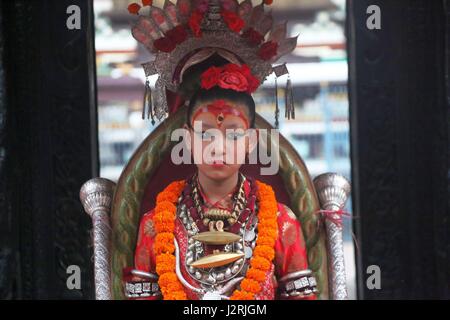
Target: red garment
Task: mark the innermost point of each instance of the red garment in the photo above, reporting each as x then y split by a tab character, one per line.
290	252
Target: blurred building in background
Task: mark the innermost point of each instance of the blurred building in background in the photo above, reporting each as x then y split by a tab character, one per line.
318	71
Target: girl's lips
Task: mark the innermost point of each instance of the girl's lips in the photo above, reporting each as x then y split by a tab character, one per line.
218	164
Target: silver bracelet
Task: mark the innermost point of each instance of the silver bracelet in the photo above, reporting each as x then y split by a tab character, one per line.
296	275
298	284
143	274
141	289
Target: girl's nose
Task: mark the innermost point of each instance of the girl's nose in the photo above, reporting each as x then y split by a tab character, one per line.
220	147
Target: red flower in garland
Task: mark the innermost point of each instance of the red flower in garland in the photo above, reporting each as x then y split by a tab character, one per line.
268	50
195	22
233	21
253	36
230	76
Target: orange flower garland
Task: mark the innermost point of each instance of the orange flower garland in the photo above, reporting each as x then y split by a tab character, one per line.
264	251
164	248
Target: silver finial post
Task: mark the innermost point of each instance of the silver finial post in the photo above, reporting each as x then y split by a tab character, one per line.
333	191
96	197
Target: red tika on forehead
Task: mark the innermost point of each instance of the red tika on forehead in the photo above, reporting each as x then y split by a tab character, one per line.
220	109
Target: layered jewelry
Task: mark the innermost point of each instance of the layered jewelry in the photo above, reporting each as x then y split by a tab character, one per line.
215	269
215	214
178	194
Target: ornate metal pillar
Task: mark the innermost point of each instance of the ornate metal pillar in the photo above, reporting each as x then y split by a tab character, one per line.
333	191
96	197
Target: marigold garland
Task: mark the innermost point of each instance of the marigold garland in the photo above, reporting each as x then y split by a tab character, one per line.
164	248
256	274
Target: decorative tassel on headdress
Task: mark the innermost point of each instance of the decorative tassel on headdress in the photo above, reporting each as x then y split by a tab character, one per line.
289	100
279	71
277	108
147	110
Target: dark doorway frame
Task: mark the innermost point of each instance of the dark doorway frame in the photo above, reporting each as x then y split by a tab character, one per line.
399	110
48	143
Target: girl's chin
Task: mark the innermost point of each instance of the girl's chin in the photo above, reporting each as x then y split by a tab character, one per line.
218	173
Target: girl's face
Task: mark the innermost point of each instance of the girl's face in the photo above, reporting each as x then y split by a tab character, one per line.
219	140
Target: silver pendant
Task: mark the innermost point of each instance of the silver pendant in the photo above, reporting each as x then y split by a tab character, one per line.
250	235
248	252
212	296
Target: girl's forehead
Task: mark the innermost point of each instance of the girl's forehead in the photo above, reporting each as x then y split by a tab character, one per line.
221	112
221	103
210	120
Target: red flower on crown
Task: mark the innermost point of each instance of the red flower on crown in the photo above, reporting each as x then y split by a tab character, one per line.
134	8
164	44
210	77
253	37
172	38
177	35
233	21
230	76
268	50
195	22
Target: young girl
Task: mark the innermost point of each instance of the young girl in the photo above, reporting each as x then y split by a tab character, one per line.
220	234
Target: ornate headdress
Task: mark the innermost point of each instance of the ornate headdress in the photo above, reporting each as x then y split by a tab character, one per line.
189	32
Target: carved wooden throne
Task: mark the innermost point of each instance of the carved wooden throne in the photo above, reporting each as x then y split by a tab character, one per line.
116	209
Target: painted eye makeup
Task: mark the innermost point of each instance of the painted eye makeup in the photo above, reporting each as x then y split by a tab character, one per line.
235	135
205	135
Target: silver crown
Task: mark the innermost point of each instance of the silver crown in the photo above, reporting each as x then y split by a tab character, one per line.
216	38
